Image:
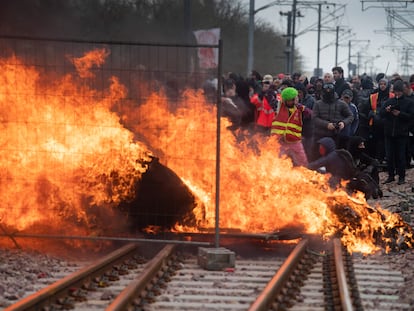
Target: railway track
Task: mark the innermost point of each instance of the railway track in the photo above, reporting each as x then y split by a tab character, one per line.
304	280
90	288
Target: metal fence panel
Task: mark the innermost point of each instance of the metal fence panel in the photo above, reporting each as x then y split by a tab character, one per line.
98	137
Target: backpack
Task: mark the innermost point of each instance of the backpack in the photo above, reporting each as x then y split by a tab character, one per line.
361	180
364	182
349	160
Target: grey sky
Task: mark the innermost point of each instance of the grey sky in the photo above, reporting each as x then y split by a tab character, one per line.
380	54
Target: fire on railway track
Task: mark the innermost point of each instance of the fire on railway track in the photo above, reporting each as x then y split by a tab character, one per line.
77	158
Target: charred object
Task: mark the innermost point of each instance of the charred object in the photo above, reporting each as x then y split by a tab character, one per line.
394	236
161	200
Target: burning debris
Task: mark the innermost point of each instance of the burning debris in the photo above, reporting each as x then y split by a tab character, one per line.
375	227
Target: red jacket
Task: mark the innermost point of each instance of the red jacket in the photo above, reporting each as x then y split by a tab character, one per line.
265	113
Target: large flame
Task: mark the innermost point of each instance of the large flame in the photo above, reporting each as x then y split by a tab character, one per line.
65	154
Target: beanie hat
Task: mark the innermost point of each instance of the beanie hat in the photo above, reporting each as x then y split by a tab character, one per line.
300	87
398	86
383	80
379	77
367	84
289	93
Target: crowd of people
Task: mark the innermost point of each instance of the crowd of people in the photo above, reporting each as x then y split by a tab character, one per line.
348	128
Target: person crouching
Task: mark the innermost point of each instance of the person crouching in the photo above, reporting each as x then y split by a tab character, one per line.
287	124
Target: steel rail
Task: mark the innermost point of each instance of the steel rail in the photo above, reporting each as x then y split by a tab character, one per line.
61	288
126	298
344	294
272	289
15	236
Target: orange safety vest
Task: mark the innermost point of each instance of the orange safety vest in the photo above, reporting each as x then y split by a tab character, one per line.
373	98
288	126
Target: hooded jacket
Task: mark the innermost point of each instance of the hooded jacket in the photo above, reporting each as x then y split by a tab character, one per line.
361	158
334	163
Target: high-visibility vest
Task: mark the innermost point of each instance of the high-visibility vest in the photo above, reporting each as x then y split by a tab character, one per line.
288	126
373	98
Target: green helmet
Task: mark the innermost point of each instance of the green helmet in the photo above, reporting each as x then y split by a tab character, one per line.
289	93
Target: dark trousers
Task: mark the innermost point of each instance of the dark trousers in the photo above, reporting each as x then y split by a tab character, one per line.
395	149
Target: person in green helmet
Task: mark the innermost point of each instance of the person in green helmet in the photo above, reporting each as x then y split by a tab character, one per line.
288	123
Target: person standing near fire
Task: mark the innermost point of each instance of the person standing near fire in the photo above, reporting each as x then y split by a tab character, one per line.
398	113
376	140
288	123
266	103
330	116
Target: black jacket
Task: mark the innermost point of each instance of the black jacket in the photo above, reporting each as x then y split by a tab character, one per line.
340	86
397	126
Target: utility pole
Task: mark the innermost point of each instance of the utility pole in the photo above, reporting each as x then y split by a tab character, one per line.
292	46
352	67
288	49
250	50
252	13
336	46
318	71
290	36
349	59
291	30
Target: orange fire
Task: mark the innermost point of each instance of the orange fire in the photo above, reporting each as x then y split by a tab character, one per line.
67	159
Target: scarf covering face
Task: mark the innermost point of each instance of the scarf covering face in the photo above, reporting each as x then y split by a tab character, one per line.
328	95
